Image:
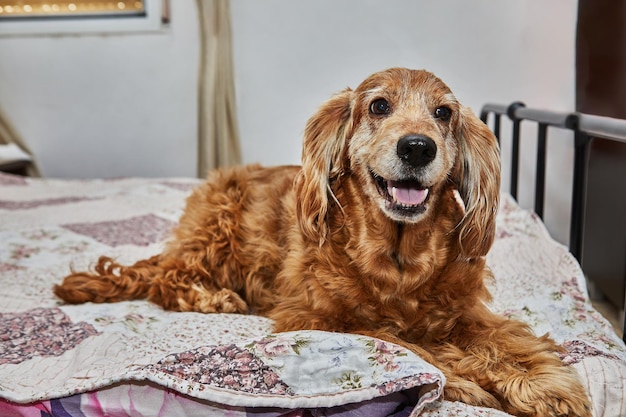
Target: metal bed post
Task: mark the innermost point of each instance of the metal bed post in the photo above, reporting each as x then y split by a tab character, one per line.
496	127
515	145
597	127
579	187
540	177
497	114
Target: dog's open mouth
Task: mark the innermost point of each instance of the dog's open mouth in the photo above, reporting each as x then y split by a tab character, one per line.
406	196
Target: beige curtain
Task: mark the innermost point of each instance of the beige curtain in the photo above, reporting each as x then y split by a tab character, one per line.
9	135
218	141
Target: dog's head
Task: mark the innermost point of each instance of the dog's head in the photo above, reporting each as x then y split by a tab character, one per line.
404	135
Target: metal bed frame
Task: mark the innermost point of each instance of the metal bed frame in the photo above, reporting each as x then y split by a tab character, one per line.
585	127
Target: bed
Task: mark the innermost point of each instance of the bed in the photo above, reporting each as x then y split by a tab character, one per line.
134	359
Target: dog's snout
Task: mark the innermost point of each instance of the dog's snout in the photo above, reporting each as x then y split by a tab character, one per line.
416	150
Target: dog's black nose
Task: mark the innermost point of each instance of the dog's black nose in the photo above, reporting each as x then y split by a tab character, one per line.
416	150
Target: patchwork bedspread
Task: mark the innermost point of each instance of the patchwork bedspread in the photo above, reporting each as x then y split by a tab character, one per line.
134	359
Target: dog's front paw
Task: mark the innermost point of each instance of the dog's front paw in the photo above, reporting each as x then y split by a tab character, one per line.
552	393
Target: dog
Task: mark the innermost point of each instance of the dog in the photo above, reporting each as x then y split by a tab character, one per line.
382	231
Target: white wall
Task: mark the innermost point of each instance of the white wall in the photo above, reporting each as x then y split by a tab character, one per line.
106	105
291	55
126	105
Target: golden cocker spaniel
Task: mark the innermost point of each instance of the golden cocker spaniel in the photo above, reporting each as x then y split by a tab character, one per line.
383	231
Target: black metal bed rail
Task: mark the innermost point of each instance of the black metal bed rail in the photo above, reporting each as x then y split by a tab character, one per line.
602	127
518	112
585	127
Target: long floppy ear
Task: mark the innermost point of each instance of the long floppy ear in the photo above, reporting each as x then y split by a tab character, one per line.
323	149
477	174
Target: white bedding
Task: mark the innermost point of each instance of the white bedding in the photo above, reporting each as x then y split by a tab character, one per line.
133	358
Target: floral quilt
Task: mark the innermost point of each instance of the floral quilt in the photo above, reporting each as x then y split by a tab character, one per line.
134	359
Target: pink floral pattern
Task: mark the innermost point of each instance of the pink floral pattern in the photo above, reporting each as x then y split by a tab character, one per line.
228	367
39	332
384	354
302	368
138	231
227	364
578	350
30	204
186	187
9	267
276	345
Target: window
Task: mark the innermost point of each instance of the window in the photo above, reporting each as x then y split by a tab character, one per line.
57	17
41	9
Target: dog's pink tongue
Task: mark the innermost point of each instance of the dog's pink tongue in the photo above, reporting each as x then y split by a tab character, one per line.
407	196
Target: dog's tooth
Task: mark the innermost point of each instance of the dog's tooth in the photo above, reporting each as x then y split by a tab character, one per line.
394	192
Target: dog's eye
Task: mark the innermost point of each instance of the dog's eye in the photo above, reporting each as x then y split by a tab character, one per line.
380	106
442	113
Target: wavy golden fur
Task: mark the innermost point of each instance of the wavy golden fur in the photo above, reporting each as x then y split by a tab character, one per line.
369	236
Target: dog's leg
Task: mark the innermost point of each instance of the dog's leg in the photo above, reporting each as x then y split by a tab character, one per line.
176	280
168	283
109	282
182	289
203	267
518	368
456	388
